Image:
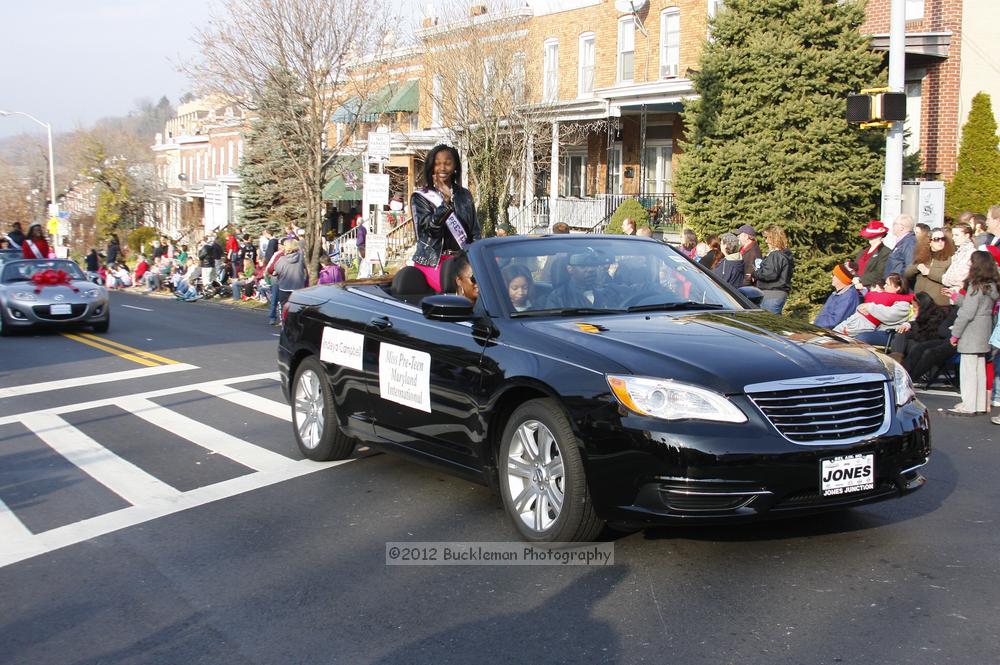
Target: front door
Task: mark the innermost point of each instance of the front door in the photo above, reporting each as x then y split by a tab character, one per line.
657	169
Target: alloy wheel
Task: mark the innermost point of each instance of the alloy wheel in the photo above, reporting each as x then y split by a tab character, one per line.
536	475
309	409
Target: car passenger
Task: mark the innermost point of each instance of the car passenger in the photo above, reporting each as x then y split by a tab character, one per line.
464	282
519	285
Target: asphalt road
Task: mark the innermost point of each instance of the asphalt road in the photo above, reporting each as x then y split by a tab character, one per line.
205	538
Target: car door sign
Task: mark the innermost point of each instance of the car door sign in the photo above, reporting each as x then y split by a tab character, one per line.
342	347
404	376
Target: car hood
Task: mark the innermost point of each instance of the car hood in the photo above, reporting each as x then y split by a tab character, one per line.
724	351
49	292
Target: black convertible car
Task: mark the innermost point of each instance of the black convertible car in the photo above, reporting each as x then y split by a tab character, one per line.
601	379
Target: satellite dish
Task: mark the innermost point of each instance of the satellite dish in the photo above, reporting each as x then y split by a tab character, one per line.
630	6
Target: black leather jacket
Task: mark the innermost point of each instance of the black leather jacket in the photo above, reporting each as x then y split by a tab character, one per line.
433	237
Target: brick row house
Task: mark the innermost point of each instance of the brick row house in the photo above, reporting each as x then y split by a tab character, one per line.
609	86
951	55
197	159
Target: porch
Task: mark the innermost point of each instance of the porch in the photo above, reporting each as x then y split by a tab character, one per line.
591	214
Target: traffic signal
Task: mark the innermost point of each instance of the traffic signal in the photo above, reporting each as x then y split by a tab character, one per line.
876	106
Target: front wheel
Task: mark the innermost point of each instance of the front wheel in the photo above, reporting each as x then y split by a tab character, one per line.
102	326
542	479
317	432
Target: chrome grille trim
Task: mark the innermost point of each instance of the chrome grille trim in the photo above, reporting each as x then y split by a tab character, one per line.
799	409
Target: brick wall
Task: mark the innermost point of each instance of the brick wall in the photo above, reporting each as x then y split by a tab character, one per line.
602	21
940	90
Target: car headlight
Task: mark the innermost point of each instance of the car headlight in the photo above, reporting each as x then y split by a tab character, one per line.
670	400
24	295
92	293
901	382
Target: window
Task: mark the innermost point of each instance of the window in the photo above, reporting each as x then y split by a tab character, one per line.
436	101
489	73
550	83
585	81
914	9
615	169
670	42
517	78
626	49
573	175
911	127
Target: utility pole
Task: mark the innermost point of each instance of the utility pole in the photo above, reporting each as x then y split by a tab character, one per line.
892	186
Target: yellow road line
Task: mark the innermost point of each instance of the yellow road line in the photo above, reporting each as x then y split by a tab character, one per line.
129	349
127	356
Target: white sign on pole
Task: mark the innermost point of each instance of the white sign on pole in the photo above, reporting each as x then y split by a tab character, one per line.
377	188
930	209
378	146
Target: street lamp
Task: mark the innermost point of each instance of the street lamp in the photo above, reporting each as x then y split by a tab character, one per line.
53	207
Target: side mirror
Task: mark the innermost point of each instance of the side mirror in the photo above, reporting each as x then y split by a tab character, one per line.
753	294
447	308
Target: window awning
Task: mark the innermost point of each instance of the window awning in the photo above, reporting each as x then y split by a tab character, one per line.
376	104
347	111
345	183
406	99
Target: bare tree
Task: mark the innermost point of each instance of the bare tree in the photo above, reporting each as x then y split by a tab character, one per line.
327	50
478	77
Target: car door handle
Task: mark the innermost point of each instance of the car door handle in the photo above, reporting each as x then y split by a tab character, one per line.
382	323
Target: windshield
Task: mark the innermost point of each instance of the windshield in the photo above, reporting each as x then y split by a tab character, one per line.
578	275
21	271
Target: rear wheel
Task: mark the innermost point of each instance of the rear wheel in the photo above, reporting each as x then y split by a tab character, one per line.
317	432
542	479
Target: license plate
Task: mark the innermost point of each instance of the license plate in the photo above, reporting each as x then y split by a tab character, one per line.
60	309
847	474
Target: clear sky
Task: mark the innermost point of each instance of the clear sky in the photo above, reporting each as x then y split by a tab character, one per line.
70	62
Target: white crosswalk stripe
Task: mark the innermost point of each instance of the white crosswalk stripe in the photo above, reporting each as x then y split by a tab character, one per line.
150	497
243	398
121	477
238	450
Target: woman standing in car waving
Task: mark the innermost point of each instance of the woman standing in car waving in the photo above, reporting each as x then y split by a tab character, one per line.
443	212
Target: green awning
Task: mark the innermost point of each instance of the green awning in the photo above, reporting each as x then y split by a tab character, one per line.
375	106
347	111
345	183
406	99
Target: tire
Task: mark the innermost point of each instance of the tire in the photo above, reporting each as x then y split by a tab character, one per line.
314	419
539	466
103	326
5	330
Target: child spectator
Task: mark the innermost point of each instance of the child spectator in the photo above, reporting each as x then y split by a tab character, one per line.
884	308
329	272
971	332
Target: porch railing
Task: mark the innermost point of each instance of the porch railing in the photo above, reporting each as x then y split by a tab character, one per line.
590	215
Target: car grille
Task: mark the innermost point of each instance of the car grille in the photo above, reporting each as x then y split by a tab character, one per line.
42	312
813	498
836	412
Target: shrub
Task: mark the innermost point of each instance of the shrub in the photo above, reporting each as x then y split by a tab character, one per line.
144	235
629	208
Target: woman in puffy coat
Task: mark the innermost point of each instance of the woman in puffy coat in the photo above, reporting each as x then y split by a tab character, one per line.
970	334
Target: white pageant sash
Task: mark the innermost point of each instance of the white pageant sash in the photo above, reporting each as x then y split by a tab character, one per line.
452	222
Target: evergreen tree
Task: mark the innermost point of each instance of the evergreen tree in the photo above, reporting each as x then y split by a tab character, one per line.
271	196
767	139
976	185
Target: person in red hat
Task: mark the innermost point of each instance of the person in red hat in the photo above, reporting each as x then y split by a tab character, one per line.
872	260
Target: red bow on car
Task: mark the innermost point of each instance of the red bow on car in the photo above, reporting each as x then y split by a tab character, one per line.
51	278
